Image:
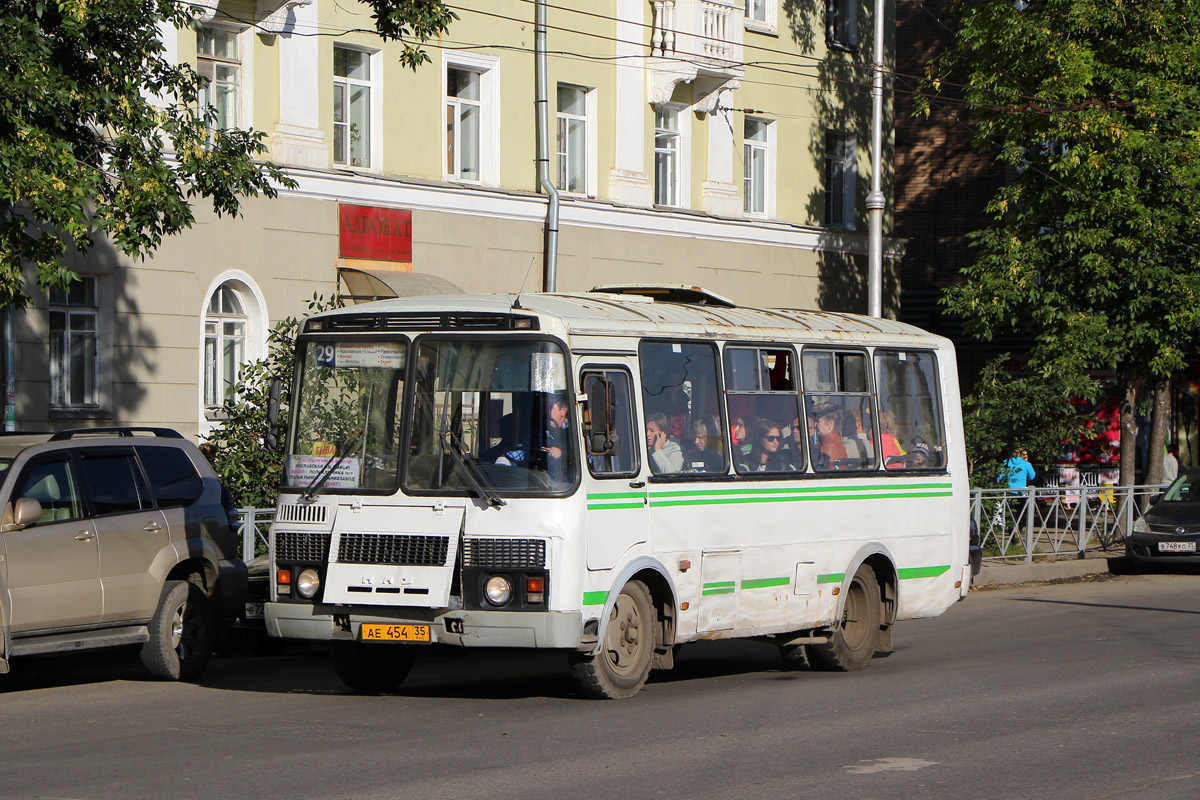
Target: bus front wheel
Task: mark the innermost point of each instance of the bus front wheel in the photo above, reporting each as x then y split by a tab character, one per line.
371	667
852	643
621	667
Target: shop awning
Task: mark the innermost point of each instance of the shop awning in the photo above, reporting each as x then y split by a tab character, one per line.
365	285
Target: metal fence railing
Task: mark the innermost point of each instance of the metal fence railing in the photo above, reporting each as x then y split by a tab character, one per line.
1056	521
253	527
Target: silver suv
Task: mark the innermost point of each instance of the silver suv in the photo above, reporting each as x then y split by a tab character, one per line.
115	536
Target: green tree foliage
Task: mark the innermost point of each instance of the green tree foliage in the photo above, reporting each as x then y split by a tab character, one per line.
1096	106
238	451
407	20
99	136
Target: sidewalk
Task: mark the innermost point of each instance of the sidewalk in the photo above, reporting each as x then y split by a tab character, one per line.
1001	573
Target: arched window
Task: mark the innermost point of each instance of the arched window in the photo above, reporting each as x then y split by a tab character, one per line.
225	328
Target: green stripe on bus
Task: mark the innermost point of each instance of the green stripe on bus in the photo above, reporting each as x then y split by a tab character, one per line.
762	583
922	572
729	590
613	506
721	501
831	577
717	584
795	490
616	495
594	598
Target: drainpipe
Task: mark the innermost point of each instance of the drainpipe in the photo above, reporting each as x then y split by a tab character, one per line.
875	200
10	373
550	244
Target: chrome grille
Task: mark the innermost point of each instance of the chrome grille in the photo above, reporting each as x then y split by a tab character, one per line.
504	553
385	548
300	546
1173	530
298	513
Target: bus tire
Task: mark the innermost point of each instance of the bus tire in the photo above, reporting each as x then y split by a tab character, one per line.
621	667
180	642
852	643
374	668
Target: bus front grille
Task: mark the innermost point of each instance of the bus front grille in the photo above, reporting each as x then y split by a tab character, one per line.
504	553
299	546
385	548
291	512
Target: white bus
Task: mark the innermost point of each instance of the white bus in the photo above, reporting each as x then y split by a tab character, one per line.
613	474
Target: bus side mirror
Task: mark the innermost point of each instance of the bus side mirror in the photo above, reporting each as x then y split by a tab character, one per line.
603	441
273	394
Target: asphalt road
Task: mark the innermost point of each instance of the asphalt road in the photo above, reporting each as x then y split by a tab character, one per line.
1087	690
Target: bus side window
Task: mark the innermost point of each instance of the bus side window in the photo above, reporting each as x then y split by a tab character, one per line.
618	456
839	409
682	405
910	417
762	403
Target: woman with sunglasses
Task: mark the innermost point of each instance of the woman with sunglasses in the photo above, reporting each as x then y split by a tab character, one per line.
766	451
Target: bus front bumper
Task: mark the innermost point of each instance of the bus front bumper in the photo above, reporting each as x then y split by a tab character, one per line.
455	627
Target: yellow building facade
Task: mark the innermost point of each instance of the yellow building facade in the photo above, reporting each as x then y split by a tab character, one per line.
704	142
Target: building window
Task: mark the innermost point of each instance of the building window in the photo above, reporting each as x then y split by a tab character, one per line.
225	323
761	15
572	139
841	172
464	112
351	107
217	60
73	345
841	24
667	147
757	167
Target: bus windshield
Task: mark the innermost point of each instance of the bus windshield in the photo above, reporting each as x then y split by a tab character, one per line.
489	418
347	424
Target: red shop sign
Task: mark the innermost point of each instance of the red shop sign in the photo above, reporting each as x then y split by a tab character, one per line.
384	234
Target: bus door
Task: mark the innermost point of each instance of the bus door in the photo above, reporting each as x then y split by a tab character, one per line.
616	495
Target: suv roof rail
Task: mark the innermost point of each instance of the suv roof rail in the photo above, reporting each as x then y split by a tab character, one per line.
163	433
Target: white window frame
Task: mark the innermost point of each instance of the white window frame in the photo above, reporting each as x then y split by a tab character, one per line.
841	179
488	68
841	24
236	63
682	183
63	381
766	147
589	144
762	16
255	306
373	83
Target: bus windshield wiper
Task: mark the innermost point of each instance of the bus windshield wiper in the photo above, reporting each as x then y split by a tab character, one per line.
450	442
343	450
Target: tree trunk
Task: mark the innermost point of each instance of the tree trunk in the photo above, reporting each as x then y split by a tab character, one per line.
1158	432
1129	432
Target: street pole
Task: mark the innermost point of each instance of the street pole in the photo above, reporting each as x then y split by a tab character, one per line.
875	200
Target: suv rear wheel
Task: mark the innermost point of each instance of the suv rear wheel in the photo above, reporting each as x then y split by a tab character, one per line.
180	633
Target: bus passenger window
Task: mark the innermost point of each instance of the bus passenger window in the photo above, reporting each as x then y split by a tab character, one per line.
762	403
680	399
838	405
912	436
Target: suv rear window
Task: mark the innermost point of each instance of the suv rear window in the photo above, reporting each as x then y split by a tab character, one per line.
172	476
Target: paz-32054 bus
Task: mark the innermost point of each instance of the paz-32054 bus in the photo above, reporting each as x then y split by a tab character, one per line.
612	475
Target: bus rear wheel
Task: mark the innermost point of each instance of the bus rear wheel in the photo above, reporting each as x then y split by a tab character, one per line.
621	667
371	667
852	643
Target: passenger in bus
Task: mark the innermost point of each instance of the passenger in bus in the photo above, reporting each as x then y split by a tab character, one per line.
856	446
829	437
893	453
766	454
665	454
741	425
705	454
919	457
796	445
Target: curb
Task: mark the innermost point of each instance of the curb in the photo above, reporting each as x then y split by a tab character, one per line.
1001	574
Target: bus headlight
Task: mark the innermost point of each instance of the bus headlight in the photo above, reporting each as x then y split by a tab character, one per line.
307	583
498	590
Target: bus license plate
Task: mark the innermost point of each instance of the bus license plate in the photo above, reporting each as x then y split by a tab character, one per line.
395	633
1176	547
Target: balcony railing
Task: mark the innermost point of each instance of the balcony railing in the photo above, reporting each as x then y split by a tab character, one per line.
706	32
